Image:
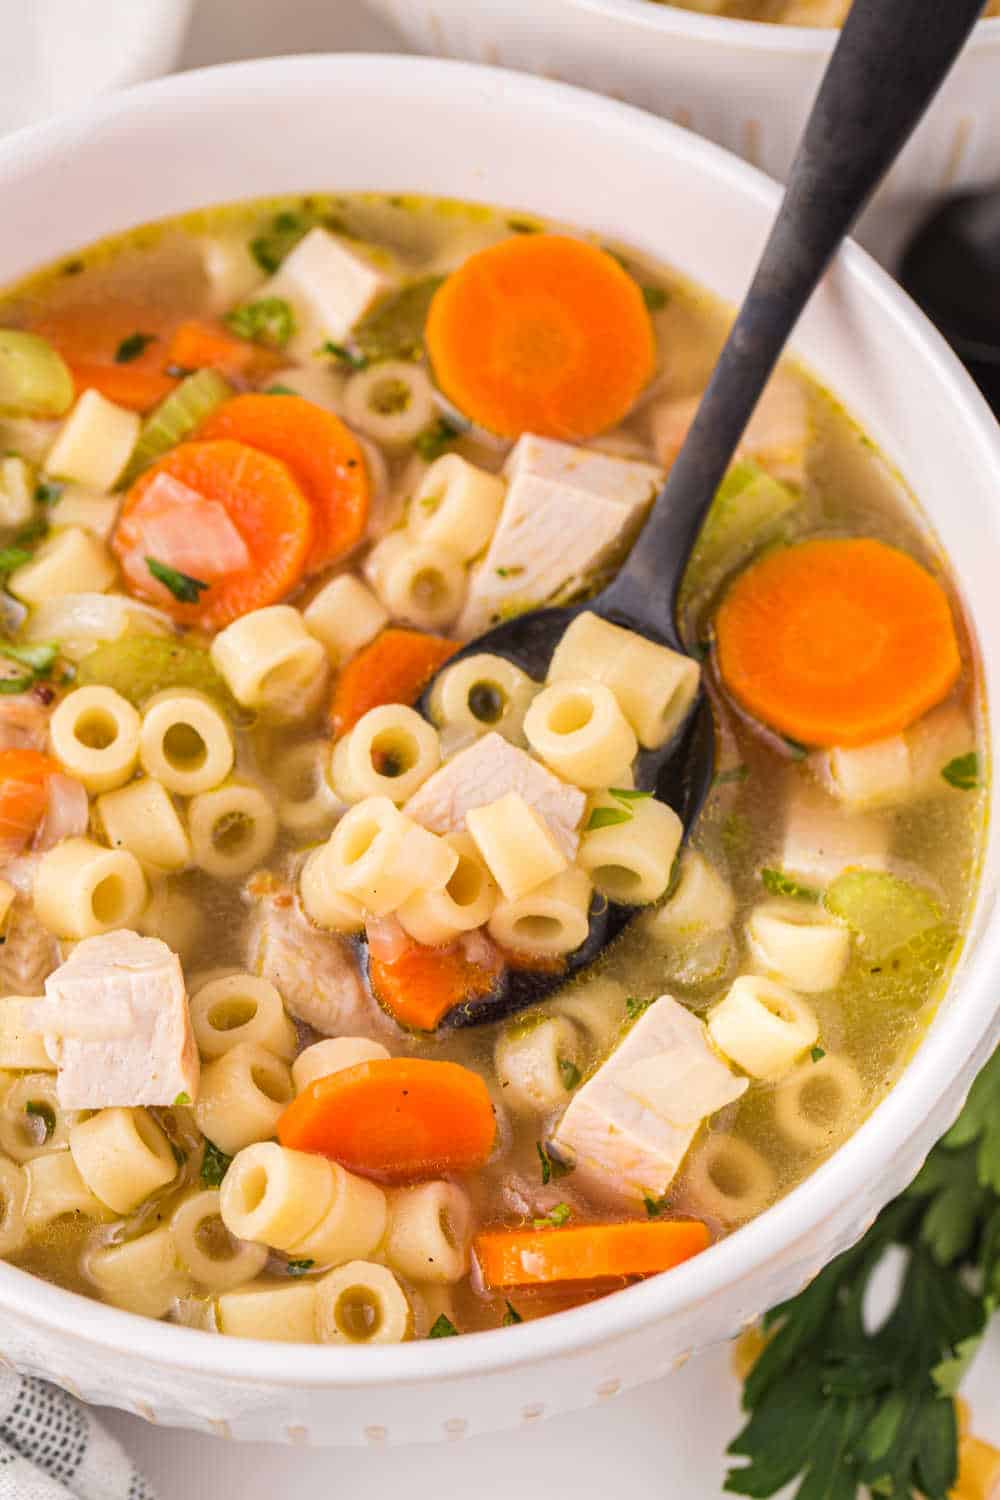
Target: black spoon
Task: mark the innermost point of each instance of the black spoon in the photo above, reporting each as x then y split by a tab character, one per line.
951	267
890	60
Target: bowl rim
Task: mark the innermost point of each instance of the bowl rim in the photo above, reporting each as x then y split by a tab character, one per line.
809	41
960	1032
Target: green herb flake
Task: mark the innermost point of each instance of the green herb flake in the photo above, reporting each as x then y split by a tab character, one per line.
552	1167
655	298
298	1267
654	1207
817	1054
435	440
628	794
13	557
962	772
31	533
514	572
279	239
185	589
214	1165
45	1113
344	356
47	491
732	776
635	1005
39	658
511	1315
269	321
608	817
279	390
182	1098
560	1215
795	749
780	884
131	348
442	1328
523	226
569	1073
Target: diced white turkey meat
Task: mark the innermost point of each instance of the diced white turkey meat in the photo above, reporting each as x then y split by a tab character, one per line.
29	952
118	1013
314	972
487	771
568	512
329	283
775	437
822	838
629	1127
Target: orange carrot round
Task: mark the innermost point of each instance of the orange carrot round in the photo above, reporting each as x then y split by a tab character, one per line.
586	1252
541	333
321	452
24	790
395	668
837	642
267	508
423	984
398	1120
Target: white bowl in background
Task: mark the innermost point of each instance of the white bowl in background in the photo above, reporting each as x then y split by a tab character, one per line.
747	85
409	126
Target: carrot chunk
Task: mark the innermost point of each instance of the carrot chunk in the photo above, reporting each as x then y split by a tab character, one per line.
24	790
115	348
135	387
423	984
260	499
541	333
196	344
395	668
587	1252
837	641
401	1119
321	452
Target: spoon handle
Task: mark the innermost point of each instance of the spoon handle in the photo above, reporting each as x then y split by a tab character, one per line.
891	59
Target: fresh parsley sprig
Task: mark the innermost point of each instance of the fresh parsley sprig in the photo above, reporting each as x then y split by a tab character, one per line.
848	1409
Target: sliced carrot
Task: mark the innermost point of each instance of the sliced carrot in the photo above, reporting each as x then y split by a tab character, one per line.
423	984
395	668
131	386
90	337
264	503
196	344
837	641
24	790
586	1252
400	1120
321	452
541	333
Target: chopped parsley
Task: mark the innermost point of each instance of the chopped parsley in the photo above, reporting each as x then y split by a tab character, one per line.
442	1328
269	320
182	1098
185	589
435	440
569	1073
270	248
628	794
608	817
559	1216
523	226
214	1165
962	772
817	1054
795	748
552	1167
655	298
514	572
780	884
511	1315
279	390
130	348
39	658
299	1267
732	775
634	1007
13	557
654	1207
47	491
46	1114
346	357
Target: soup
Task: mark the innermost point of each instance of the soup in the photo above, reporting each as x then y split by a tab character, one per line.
265	468
787	12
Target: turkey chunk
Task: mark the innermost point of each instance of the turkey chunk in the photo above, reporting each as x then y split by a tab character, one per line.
821	838
314	972
567	513
776	435
330	283
484	773
629	1127
117	1009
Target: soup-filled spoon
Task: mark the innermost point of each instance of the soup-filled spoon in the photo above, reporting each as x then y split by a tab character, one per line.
891	59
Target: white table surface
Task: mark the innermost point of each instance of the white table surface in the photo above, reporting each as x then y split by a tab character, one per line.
665	1442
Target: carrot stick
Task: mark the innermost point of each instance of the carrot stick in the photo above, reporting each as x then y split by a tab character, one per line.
588	1252
265	505
837	641
24	790
395	668
196	344
399	1120
541	333
423	984
321	452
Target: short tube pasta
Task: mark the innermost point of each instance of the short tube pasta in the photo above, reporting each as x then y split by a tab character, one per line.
702	903
307	802
868	776
791	940
456	506
577	728
379	857
95	735
482	693
465	903
353	1224
818	1103
20	1046
233	829
333	1054
55	1189
241	1008
631	862
72	561
123	1156
270	1311
362	1303
142	1275
762	1027
430	1229
515	844
13	1202
271	662
32	1120
141	817
207	1251
322	903
345	616
242	1096
185	742
422	585
82	890
392	402
535	1060
729	1179
175	918
551	920
275	1196
390	752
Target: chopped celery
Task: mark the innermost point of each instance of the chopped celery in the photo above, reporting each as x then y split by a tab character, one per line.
176	417
395	329
884	912
873	991
137	666
747	509
34	380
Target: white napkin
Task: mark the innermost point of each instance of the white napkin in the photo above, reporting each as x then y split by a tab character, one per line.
52	1447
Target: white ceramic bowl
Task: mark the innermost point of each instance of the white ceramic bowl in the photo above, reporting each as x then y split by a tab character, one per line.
405	125
744	84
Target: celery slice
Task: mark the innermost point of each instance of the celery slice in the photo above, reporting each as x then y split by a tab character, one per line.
395	328
176	418
885	913
137	666
34	379
748	508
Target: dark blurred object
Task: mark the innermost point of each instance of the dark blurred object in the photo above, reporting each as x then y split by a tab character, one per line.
951	267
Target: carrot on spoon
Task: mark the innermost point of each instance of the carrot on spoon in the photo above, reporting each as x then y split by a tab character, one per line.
586	1252
421	985
394	668
837	641
24	790
541	333
402	1119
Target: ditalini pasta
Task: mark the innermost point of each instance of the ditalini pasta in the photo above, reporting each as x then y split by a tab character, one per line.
284	844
